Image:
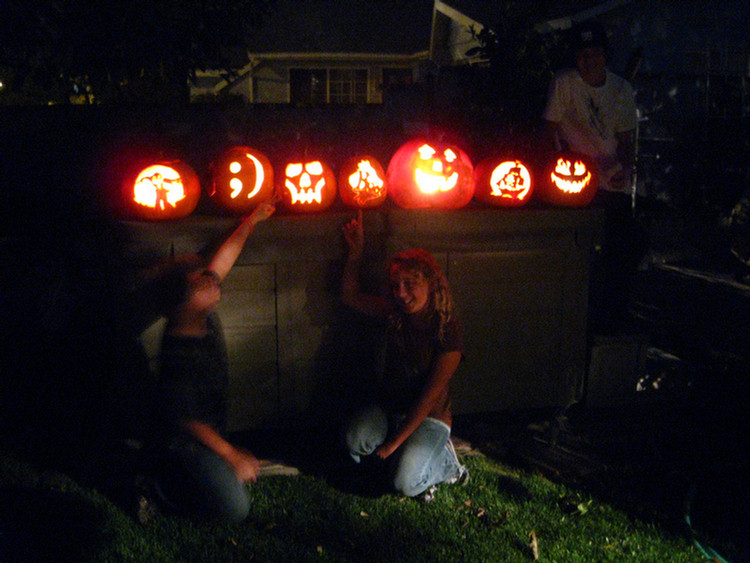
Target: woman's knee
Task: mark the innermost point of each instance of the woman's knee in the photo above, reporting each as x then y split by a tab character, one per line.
408	483
419	458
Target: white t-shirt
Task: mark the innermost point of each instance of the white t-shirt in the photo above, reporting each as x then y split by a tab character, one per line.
590	116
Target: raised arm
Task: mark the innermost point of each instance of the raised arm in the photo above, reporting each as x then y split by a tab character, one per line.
231	248
351	294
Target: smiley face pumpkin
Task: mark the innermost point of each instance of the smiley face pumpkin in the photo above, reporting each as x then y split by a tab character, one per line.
242	177
424	174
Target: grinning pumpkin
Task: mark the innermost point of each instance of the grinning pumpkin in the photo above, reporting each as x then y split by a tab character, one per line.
503	182
571	179
307	186
162	191
424	174
241	178
362	182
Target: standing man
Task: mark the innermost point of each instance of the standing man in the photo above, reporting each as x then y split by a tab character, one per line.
591	110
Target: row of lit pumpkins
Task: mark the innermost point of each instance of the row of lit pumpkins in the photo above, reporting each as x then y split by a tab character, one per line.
420	175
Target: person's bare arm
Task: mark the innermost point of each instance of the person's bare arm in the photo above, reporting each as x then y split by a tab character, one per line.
445	366
229	251
551	138
245	465
351	294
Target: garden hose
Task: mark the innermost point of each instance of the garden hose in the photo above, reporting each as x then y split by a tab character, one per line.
707	551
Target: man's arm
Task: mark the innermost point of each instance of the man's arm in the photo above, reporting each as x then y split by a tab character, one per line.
626	148
551	137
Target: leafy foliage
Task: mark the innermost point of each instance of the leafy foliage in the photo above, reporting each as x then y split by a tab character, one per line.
520	61
504	92
120	50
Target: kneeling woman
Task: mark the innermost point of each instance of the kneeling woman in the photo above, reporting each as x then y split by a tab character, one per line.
409	423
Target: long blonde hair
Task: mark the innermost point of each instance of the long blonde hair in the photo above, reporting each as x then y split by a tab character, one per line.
441	300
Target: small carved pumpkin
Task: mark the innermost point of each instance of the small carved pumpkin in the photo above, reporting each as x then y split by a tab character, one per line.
362	182
307	186
242	177
571	180
162	191
424	174
503	182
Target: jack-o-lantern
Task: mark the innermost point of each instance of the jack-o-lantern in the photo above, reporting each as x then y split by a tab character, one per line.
571	180
503	182
162	191
242	177
307	186
362	182
423	174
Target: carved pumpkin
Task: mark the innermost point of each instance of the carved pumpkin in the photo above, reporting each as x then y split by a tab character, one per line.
423	174
571	180
362	182
503	182
242	177
307	186
162	191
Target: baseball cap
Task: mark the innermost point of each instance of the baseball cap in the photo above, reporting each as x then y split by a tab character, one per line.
589	34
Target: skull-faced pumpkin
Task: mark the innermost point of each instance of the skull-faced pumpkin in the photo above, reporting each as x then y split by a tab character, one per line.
306	186
161	191
242	177
503	182
424	174
571	179
362	182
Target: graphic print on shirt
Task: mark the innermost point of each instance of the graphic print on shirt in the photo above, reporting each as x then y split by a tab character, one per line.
595	118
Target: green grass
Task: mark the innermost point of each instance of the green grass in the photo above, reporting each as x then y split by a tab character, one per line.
48	516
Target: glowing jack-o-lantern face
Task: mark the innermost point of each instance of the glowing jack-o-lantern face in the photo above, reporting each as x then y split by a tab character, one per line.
307	186
423	174
571	180
362	182
242	177
503	182
162	191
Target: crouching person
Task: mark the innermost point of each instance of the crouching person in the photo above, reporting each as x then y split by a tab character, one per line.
409	423
196	470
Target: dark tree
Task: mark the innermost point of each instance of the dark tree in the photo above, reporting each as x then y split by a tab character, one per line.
120	50
521	61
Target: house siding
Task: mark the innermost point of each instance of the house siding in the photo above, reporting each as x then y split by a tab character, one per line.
267	82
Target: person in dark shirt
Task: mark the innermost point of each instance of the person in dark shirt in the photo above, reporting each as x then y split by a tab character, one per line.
198	471
409	423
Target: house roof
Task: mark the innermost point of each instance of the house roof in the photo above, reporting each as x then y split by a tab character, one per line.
351	26
488	13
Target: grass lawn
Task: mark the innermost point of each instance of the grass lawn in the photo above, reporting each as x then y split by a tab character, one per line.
504	513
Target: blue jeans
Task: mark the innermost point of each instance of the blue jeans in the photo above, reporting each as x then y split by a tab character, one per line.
425	459
193	479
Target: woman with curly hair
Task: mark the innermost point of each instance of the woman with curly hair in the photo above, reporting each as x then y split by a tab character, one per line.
409	423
